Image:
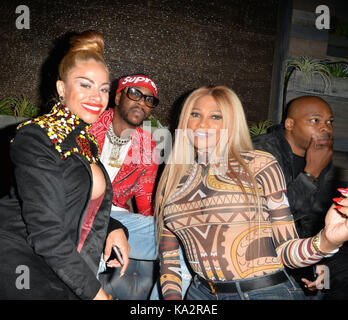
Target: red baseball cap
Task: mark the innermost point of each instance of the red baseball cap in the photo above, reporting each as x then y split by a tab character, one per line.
137	80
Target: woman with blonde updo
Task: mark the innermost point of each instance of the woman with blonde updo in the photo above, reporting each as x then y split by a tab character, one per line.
55	221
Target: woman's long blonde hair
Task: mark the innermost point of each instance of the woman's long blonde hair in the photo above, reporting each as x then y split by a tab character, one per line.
239	141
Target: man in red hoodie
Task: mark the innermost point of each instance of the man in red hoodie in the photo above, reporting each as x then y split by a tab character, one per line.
128	152
129	155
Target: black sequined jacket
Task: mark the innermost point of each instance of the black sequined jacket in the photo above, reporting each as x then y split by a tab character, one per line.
41	220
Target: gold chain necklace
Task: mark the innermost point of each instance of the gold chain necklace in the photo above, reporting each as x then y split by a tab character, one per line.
117	143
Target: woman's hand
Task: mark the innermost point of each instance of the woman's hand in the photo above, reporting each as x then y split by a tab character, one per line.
119	239
336	224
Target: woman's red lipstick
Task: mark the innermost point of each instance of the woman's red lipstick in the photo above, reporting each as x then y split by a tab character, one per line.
92	107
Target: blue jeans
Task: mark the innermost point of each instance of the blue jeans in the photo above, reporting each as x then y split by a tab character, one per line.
142	234
288	290
143	244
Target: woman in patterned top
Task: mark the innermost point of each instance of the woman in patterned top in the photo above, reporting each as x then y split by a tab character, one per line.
55	222
226	203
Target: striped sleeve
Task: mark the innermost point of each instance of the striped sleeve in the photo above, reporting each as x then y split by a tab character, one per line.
170	279
298	253
293	252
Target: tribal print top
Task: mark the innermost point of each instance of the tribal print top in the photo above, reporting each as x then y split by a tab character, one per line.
224	238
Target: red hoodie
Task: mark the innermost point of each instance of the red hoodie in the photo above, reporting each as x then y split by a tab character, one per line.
137	175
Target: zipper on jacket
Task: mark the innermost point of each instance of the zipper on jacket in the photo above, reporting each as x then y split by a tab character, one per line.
141	173
126	177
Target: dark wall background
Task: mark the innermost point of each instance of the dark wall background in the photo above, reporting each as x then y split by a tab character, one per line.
181	44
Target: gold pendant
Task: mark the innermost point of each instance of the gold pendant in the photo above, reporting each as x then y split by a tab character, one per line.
115	163
114	158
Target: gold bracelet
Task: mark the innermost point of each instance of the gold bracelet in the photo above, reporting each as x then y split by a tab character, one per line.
316	245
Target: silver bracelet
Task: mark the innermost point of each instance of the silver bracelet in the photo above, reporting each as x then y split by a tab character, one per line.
310	176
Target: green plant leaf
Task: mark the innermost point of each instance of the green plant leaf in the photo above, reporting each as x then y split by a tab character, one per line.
154	121
338	70
260	128
19	107
5	107
309	68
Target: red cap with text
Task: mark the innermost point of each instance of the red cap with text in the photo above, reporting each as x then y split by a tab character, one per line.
137	81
